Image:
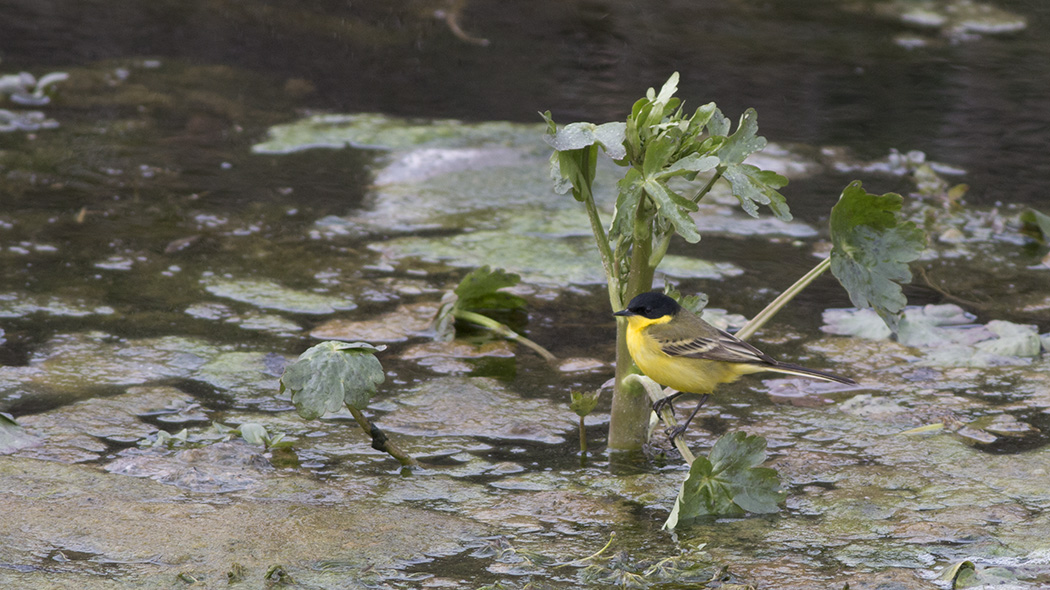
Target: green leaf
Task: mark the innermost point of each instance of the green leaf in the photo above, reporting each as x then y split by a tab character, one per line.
871	248
254	433
728	482
331	374
1036	224
629	195
744	142
658	152
668	90
478	290
670	205
575	170
576	136
694	303
702	116
481	290
584	402
753	187
718	124
13	436
690	165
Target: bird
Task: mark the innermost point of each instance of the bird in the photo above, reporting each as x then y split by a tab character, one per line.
674	347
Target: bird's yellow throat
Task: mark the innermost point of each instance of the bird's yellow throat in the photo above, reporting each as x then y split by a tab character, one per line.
636	342
637	323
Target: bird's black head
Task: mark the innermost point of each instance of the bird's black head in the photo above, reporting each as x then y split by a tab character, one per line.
651	305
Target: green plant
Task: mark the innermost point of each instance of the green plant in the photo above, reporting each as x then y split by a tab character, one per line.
729	482
482	290
660	144
254	433
331	375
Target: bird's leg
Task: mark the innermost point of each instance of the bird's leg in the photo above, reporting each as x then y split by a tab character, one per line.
678	430
665	401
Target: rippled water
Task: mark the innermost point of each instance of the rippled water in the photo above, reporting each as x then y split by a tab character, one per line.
158	274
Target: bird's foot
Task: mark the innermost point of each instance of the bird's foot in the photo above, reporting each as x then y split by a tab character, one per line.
677	431
664	402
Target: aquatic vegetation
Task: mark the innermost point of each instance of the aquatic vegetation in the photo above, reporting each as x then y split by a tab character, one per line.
26	90
728	482
482	290
659	144
955	20
332	375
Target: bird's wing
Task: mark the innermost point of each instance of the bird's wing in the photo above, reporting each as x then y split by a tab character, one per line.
697	339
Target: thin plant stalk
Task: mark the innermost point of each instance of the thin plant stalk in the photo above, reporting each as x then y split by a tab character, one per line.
503	330
655	394
774	306
380	442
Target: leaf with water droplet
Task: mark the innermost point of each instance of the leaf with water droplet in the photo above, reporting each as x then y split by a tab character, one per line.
753	187
744	141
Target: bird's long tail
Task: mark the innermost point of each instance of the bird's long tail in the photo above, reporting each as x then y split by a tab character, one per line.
791	369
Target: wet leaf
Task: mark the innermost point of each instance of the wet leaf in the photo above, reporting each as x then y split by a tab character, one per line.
872	246
584	402
575	136
1036	224
673	207
728	482
12	436
481	290
694	303
753	187
690	166
744	142
330	374
254	433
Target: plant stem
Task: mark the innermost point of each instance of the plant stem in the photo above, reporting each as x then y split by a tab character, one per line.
710	183
380	442
656	393
766	314
585	193
630	408
583	438
503	330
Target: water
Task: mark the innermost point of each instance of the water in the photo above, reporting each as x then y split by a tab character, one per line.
158	275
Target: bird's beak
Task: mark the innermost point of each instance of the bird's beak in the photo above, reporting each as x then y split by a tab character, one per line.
624	313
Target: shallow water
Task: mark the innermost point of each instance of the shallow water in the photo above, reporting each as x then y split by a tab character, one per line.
163	261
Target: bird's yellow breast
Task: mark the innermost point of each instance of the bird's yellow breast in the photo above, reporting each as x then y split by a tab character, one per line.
689	375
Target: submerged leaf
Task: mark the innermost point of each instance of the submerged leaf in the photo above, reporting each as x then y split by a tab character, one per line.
1037	225
872	246
728	482
481	290
254	433
13	436
331	374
